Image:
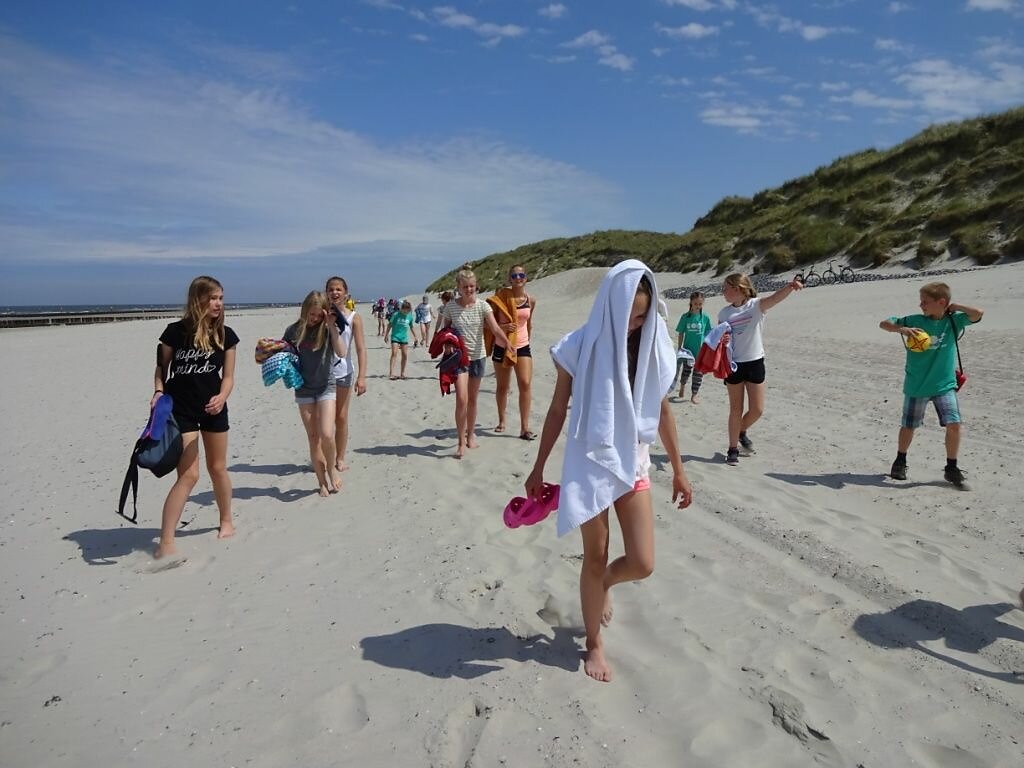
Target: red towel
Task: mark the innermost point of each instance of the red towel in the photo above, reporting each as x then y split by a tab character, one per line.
454	355
715	361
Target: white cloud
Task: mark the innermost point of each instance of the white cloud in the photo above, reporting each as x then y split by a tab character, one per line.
148	163
560	59
419	38
997	48
991	5
897	7
387	5
590	39
659	52
553	11
693	5
619	61
861	97
449	16
791	101
768	17
672	81
891	45
691	31
738	117
840	86
944	89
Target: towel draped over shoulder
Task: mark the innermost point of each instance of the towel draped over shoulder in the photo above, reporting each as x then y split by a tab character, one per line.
608	419
504	304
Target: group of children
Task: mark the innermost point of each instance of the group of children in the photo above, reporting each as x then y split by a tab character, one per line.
616	371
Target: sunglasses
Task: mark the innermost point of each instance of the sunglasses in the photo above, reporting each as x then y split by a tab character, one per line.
517	275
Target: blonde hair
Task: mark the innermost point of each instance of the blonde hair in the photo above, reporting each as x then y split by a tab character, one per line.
206	333
937	291
741	281
313	300
465	274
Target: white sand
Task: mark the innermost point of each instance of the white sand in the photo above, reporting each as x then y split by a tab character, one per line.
400	624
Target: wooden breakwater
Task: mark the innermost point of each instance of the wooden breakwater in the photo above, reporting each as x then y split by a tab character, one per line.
85	318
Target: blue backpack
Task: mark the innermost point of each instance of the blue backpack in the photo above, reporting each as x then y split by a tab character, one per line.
158	449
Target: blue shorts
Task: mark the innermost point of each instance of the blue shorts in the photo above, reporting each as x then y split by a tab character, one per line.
946	406
475	369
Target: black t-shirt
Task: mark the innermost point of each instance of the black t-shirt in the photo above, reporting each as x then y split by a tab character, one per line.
193	376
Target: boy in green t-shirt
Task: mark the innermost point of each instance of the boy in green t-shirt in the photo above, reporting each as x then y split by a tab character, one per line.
930	374
691	329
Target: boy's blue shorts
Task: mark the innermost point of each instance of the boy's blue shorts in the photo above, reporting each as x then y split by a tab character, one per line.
946	406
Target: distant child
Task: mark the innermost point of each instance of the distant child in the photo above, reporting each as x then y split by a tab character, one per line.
424	317
399	327
468	316
344	370
196	366
691	329
931	374
318	340
378	312
745	314
617	370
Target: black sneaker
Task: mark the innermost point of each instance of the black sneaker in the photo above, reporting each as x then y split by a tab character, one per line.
956	477
747	443
899	470
733	456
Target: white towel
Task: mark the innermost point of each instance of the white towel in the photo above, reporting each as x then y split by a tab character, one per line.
608	421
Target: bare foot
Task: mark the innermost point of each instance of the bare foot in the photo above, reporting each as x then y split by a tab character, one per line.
500	427
596	666
227	529
341	466
607	612
695	399
460	452
471	442
335	481
165	550
325	491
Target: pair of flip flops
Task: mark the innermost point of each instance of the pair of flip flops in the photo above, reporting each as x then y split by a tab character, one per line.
522	511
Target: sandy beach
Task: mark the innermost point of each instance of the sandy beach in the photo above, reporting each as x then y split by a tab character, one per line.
806	610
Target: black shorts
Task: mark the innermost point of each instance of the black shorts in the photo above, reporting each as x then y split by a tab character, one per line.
202	422
751	372
498	353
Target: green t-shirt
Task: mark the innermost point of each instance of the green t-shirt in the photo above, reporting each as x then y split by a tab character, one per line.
401	322
932	372
694	326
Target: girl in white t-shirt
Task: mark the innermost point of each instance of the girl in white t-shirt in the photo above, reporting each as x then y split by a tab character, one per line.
745	313
468	315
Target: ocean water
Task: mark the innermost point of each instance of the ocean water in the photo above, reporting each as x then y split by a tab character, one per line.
101	309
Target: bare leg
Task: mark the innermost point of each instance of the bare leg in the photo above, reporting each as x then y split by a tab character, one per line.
461	407
341	427
736	392
524	378
405	358
391	363
903	440
325	413
307	412
215	444
503	382
174	504
593	594
755	405
952	440
474	391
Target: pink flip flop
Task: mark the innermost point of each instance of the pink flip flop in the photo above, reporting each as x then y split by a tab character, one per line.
520	511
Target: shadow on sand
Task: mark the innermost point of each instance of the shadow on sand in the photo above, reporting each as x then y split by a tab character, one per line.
450	650
837	480
967	630
206	498
278	470
103	546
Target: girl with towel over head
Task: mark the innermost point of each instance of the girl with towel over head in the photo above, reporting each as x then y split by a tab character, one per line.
468	316
618	370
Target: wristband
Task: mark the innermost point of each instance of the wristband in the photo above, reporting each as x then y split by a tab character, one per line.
158	391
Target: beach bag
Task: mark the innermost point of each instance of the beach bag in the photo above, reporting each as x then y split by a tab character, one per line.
284	366
158	449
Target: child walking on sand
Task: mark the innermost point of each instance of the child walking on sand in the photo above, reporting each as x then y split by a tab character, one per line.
346	377
468	316
514	310
399	327
745	314
617	370
424	317
316	336
691	329
931	374
196	367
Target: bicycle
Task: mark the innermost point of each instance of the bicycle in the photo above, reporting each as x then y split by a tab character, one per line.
810	278
845	275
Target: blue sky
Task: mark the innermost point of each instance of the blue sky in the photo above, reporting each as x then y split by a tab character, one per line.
274	144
